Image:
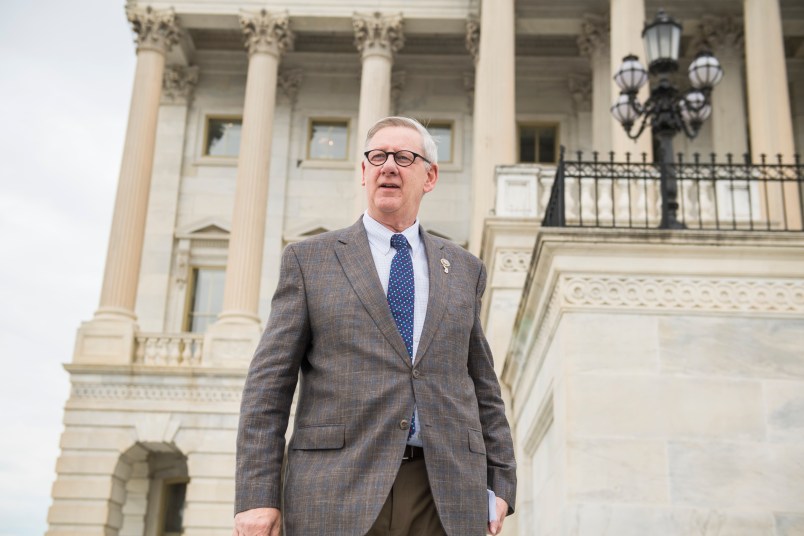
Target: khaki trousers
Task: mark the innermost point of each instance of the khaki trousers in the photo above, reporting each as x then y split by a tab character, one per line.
409	509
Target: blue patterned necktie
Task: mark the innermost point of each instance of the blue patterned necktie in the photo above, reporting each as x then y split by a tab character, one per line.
400	297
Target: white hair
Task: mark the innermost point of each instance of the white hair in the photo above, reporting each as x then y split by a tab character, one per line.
428	143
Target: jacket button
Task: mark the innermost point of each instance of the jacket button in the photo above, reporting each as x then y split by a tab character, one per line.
416	373
404	424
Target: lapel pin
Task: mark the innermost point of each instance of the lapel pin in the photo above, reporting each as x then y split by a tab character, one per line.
446	265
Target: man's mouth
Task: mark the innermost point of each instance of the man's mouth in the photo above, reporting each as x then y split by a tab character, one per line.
388	185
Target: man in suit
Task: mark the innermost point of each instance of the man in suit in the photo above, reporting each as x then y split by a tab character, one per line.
400	428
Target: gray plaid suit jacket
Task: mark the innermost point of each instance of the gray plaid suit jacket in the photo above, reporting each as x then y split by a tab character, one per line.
331	330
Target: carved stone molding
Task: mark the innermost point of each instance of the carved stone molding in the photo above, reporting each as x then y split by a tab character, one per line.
580	87
289	83
378	33
156	29
398	79
267	32
473	36
684	293
178	84
594	38
721	35
469	87
513	260
94	391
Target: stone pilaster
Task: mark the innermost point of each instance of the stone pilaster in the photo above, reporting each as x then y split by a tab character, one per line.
724	37
108	338
768	98
178	84
378	37
494	127
593	42
234	335
627	19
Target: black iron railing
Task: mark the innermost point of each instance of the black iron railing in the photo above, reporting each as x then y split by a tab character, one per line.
730	195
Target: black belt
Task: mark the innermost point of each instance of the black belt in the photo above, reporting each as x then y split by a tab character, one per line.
412	453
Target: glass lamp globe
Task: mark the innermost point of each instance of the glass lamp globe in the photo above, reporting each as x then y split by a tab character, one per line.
631	75
705	71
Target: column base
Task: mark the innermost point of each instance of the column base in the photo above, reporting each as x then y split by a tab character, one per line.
107	339
231	341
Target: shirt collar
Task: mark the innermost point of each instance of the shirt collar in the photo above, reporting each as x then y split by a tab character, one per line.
379	236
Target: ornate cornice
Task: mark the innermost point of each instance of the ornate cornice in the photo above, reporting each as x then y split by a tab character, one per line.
212	394
683	293
473	36
267	32
594	38
156	29
289	83
378	33
721	35
178	83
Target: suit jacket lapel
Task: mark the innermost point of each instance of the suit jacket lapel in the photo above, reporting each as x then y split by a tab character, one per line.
438	296
354	254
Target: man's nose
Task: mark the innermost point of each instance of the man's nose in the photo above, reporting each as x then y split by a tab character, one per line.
389	166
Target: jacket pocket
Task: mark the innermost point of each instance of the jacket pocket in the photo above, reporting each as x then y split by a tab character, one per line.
321	437
476	443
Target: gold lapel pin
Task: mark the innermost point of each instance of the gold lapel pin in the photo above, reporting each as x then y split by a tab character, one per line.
446	265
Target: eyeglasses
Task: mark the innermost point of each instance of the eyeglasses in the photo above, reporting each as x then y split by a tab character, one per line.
377	157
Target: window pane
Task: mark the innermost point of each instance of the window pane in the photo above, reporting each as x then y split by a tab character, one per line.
443	137
328	140
527	144
223	137
207	300
547	145
174	508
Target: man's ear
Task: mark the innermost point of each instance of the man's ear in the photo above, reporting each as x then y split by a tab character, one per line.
362	173
432	178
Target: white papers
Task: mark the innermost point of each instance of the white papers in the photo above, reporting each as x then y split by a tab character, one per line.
492	506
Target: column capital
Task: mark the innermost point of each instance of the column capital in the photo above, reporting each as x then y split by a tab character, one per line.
289	82
469	87
473	36
178	84
594	38
267	32
156	29
580	87
722	35
378	34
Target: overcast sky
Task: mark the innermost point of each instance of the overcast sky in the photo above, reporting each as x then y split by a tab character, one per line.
66	71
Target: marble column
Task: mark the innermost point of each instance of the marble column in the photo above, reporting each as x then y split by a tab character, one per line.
724	37
178	84
627	19
768	99
378	37
267	36
157	31
494	126
594	44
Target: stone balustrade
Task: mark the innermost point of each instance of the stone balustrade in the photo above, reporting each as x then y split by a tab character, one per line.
169	349
523	190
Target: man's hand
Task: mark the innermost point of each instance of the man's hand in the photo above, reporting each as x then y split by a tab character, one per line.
259	522
495	527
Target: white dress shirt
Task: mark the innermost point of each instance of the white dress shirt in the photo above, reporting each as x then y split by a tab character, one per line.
379	238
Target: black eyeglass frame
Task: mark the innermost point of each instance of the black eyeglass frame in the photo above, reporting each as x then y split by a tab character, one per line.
394	153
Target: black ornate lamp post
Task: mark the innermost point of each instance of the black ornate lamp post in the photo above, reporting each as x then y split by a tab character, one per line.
668	110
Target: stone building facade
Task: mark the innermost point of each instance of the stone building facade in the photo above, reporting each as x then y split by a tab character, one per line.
654	379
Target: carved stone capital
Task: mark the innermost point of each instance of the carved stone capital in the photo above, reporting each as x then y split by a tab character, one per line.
266	32
721	35
289	83
473	36
156	29
178	84
580	87
595	35
378	33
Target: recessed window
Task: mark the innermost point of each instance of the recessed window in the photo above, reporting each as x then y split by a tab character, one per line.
328	140
173	513
442	132
538	143
223	136
206	301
